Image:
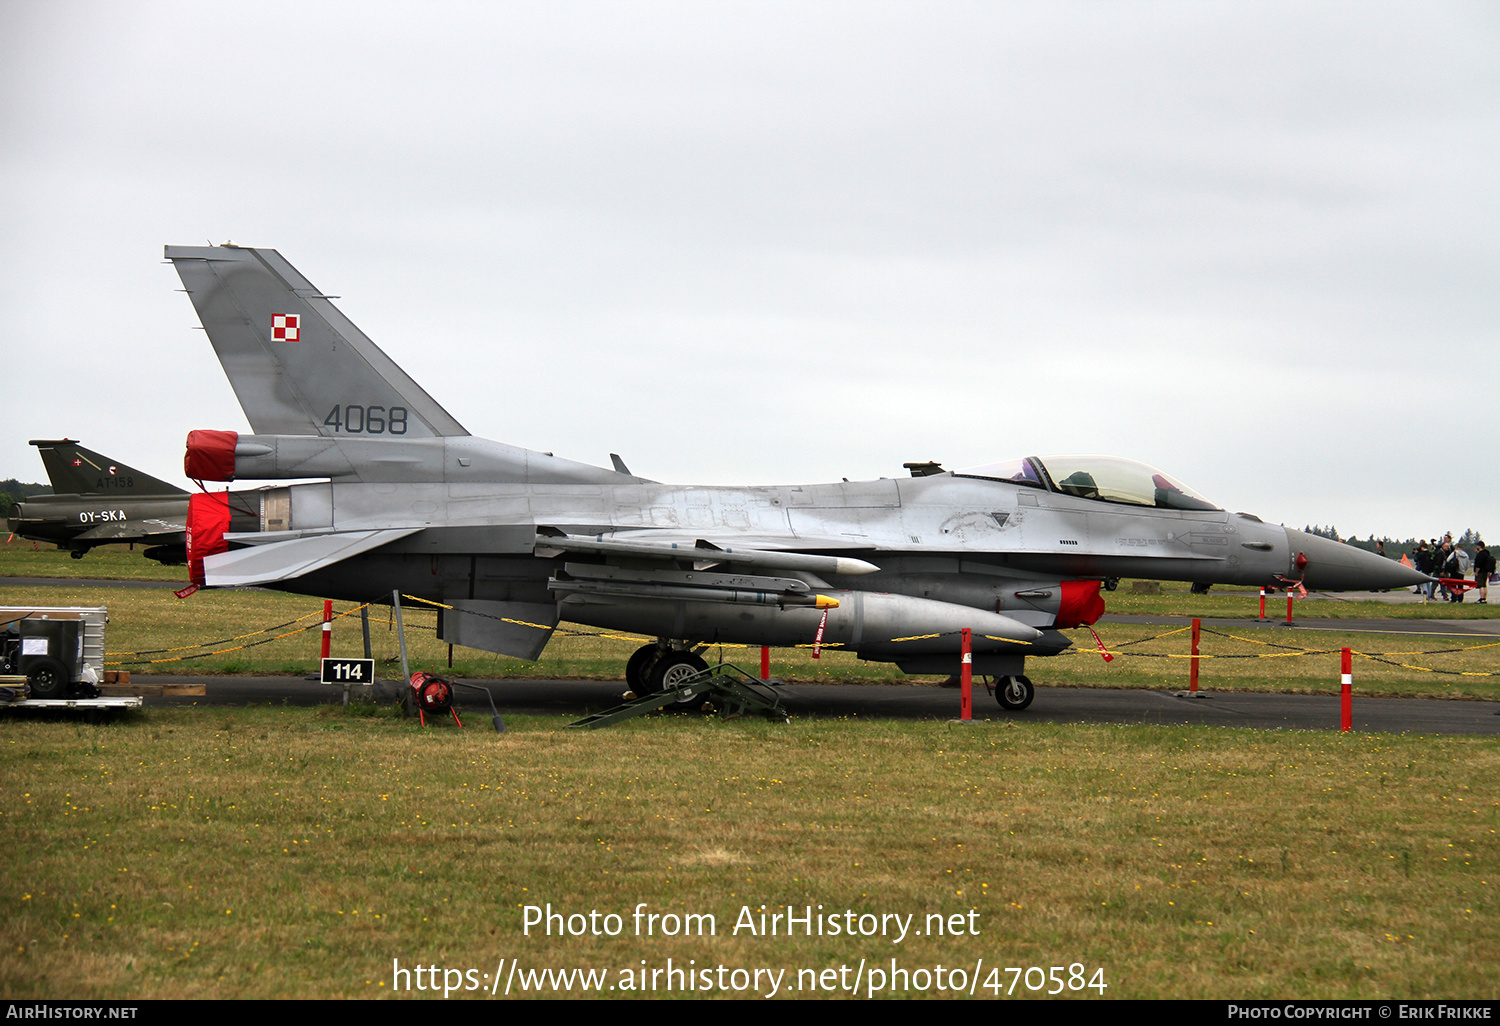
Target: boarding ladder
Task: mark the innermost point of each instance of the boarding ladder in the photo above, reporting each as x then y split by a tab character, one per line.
730	690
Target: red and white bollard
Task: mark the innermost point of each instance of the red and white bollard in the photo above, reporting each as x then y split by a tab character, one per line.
765	662
1346	686
1193	670
327	627
1262	603
966	677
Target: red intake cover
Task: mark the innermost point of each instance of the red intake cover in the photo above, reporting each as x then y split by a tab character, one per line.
210	455
1081	604
207	520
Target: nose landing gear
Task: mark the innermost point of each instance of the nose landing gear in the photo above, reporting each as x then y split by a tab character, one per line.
1014	693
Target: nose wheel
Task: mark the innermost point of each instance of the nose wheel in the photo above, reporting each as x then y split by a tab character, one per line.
1014	693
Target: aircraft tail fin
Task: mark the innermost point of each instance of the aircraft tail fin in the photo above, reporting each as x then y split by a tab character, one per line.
297	364
74	470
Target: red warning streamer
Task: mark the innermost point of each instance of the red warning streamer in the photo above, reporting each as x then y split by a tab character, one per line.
1100	642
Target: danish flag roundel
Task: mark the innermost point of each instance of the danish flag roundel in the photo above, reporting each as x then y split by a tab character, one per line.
286	327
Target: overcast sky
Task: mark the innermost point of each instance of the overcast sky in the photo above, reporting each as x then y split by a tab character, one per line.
1255	245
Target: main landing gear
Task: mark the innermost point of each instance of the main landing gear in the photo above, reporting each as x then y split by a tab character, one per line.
659	667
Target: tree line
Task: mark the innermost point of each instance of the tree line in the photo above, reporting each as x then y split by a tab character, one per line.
13	492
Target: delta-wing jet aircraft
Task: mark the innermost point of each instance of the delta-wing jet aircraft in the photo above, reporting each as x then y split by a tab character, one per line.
509	541
100	501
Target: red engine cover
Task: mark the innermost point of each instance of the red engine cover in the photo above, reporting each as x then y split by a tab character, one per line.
207	521
1081	604
210	455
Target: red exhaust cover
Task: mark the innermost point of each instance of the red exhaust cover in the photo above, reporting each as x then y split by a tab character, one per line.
210	455
1081	604
207	520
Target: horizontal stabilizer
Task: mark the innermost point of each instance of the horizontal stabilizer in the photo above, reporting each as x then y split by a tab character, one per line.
284	560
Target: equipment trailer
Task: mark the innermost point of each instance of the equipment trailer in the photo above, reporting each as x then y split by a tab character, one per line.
53	658
60	651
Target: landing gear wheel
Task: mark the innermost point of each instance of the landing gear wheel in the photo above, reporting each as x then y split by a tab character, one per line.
672	669
48	678
1014	693
638	669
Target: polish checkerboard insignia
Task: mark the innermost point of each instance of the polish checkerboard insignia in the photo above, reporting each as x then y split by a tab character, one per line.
286	327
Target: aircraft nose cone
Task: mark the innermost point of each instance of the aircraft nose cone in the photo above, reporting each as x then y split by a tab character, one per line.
1335	566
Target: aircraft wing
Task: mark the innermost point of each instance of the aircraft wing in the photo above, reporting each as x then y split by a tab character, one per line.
130	530
275	561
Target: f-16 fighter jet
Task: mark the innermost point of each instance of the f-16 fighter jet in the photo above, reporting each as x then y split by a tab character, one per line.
510	541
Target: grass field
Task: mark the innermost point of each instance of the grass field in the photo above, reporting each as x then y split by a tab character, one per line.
296	853
21	558
280	852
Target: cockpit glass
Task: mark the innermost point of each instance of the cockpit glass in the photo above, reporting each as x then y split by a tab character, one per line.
1112	479
1105	478
1014	471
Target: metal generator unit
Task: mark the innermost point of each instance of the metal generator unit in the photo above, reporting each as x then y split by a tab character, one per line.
59	651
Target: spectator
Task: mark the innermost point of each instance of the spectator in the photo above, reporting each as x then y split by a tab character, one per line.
1484	565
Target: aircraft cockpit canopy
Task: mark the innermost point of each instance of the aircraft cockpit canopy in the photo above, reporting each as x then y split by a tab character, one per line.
1106	478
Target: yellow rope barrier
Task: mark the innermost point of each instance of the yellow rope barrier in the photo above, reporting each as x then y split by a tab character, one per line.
1288	651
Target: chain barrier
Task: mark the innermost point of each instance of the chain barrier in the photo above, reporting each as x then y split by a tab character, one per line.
1117	649
1293	652
315	625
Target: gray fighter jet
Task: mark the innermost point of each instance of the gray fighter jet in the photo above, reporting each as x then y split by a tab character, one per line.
510	541
100	501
